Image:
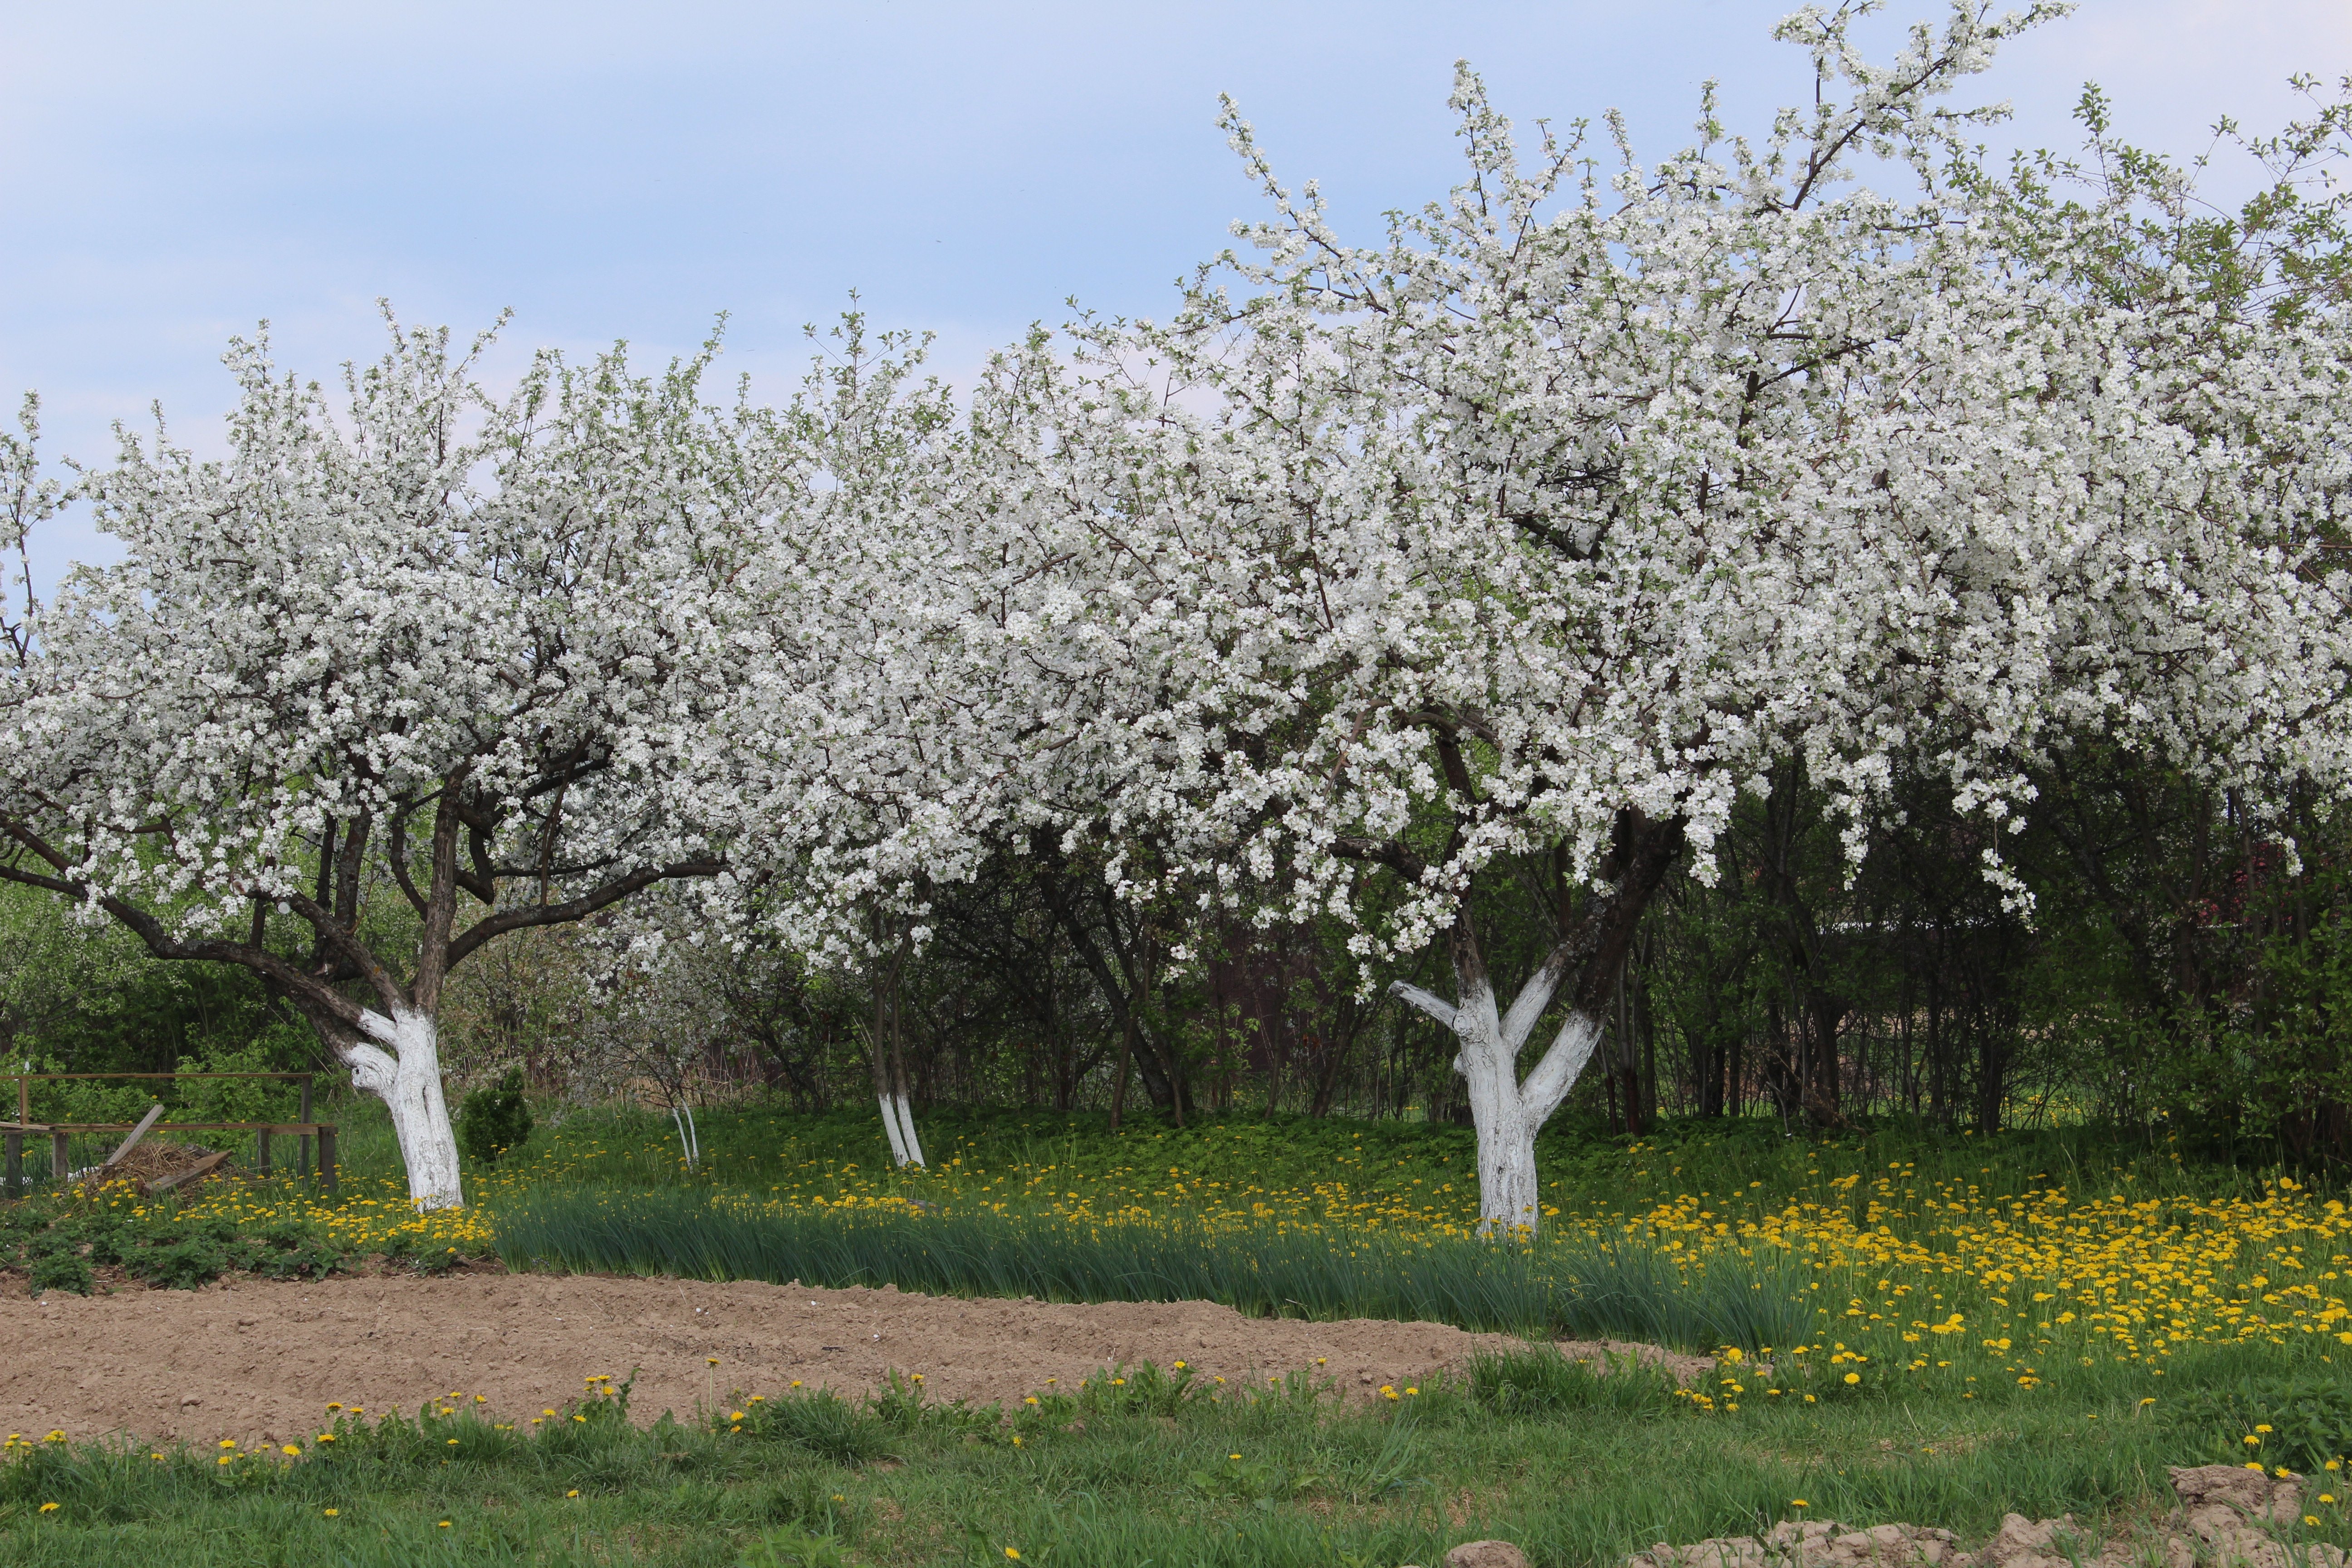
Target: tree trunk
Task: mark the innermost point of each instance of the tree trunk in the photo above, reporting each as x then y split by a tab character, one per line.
392	1050
1126	991
889	1060
1507	1113
899	1094
406	1076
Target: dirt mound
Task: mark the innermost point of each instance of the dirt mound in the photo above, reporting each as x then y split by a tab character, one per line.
261	1358
2226	1515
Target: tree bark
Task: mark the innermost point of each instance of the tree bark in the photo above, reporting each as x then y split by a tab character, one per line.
403	1068
1122	987
1507	1111
889	1059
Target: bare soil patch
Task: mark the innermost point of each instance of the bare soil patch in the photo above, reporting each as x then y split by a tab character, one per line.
256	1358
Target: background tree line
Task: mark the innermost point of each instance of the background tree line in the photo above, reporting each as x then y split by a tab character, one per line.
2177	969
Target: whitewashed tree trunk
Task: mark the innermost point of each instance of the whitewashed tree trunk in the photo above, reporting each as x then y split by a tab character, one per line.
905	1139
405	1074
890	1127
898	1121
1507	1111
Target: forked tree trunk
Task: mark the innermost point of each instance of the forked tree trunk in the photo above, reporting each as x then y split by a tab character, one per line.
392	1050
898	1114
1506	1111
405	1074
890	1062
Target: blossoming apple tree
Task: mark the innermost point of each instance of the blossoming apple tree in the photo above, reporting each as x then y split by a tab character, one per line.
1517	546
868	759
371	691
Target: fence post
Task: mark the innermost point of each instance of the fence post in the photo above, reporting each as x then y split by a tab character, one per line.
61	1159
326	1158
302	1143
15	1146
264	1136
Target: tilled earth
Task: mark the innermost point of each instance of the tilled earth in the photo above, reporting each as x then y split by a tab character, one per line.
253	1358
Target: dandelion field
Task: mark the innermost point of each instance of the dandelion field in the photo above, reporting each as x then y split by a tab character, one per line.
1948	1262
1905	1327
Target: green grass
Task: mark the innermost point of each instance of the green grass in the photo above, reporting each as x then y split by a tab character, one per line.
1580	1286
1748	1162
1579	1469
1385	1209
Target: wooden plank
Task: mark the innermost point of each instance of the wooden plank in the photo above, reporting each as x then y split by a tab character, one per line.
122	1149
205	1166
170	1126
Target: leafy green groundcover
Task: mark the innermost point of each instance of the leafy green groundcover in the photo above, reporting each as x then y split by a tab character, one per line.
61	1240
1138	1465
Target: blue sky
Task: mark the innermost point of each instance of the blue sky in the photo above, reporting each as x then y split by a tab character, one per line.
174	172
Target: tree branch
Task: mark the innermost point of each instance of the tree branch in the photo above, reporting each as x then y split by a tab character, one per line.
580	907
1435	1006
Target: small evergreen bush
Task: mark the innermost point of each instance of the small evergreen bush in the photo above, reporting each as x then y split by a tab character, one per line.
494	1119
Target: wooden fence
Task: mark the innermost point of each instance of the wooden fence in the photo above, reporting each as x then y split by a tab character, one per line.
60	1134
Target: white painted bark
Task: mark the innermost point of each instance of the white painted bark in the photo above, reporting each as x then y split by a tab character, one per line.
406	1076
913	1145
898	1121
890	1127
1508	1111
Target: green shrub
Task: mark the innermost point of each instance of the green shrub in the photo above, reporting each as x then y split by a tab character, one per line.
290	1255
494	1119
239	1099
